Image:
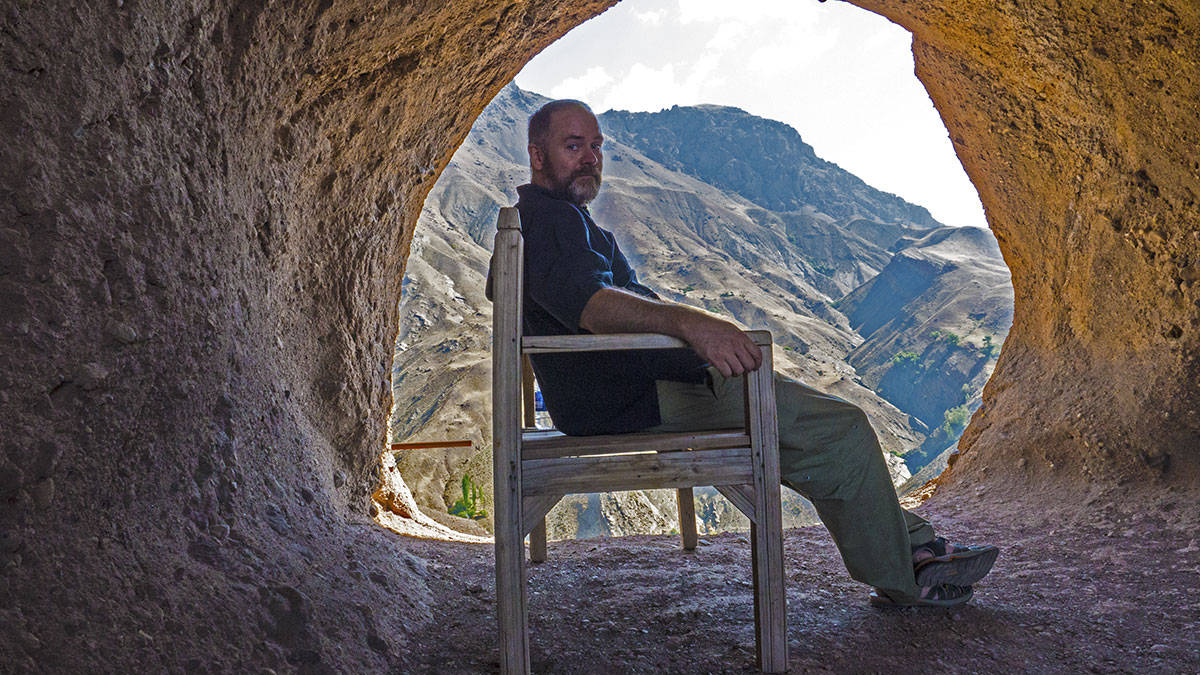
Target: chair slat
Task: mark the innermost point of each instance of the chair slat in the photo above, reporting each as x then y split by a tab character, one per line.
573	475
535	509
741	496
547	444
539	344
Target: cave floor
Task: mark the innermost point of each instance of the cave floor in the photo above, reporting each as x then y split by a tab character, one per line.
1109	594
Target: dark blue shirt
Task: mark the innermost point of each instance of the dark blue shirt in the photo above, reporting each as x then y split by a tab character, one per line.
567	259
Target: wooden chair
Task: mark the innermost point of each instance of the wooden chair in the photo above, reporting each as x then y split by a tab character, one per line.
534	469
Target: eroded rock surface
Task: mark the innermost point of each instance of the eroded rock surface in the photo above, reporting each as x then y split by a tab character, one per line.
205	210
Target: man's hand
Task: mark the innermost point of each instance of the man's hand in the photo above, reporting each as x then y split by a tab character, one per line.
722	344
717	341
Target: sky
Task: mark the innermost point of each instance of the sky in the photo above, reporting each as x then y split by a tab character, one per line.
840	75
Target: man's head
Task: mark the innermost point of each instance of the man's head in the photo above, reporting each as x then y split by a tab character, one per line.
565	153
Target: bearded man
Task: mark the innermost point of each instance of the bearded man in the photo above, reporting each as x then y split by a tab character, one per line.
578	281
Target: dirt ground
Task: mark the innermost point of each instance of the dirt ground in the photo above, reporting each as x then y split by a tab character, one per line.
1104	593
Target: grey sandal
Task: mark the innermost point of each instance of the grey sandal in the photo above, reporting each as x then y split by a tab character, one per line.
961	567
942	595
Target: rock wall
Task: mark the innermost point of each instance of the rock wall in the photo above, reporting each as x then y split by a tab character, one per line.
1077	122
205	208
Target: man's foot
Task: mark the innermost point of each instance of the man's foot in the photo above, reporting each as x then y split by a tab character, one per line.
939	562
942	595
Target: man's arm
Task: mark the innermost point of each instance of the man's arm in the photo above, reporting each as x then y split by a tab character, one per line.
721	343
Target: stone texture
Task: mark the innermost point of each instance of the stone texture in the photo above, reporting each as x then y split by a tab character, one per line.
238	183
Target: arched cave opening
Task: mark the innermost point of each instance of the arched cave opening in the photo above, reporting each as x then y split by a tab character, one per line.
203	211
875	300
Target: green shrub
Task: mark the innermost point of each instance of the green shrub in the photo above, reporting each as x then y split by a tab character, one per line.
467	506
955	420
990	347
952	339
912	359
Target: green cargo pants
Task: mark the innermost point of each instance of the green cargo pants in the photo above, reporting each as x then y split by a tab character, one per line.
829	453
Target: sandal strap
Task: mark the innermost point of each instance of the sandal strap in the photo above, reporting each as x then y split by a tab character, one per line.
937	547
947	592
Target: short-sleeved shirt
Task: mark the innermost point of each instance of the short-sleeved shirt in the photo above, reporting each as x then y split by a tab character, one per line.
567	259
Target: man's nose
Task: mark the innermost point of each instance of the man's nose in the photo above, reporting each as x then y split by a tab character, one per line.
590	156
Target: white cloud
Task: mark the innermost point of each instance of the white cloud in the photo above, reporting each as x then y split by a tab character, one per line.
728	36
646	88
724	11
778	57
653	17
583	86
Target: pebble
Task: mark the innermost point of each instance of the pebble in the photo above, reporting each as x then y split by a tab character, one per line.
90	376
43	493
47	459
10	541
1159	649
339	478
29	641
124	333
11	478
307	495
417	565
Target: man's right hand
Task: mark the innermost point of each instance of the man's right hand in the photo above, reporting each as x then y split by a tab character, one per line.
722	344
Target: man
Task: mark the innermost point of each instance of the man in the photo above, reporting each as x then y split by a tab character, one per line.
578	281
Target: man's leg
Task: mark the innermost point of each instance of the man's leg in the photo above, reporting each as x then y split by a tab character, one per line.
829	454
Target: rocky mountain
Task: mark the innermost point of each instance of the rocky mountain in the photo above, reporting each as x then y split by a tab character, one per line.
721	210
762	160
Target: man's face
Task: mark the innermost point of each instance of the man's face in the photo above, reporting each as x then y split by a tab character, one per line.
571	163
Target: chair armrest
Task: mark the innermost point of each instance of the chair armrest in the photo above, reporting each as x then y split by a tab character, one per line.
541	344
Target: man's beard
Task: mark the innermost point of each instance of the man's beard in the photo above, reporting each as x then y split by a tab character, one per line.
581	187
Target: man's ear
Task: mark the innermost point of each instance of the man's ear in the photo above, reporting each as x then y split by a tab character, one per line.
536	159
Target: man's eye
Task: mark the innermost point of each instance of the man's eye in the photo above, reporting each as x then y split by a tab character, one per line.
596	147
572	147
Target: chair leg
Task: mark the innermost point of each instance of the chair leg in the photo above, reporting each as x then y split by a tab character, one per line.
537	543
770	627
766	537
511	601
687	517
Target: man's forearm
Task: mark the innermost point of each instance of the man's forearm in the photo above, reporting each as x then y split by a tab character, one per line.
720	342
612	310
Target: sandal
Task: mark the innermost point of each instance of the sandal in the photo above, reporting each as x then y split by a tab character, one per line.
961	567
942	595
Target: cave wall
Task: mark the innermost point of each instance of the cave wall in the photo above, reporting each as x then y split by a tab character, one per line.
1078	124
205	208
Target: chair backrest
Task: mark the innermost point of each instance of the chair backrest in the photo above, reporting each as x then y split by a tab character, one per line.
508	264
